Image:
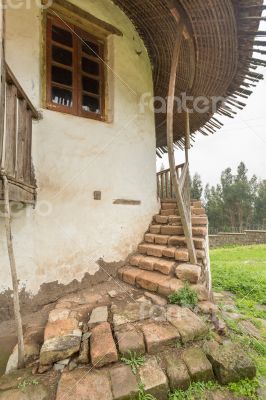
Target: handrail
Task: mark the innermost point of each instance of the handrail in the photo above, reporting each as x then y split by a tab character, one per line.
11	79
179	166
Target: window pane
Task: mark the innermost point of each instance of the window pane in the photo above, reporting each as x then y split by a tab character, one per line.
61	97
62	56
90	67
61	75
91	85
91	104
90	48
62	36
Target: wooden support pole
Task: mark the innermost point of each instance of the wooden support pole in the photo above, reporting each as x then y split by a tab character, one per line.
13	273
7	213
2	77
187	135
170	145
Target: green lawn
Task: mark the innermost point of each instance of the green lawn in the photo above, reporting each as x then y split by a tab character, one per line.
242	271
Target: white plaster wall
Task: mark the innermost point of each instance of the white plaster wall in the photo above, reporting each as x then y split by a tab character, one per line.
68	231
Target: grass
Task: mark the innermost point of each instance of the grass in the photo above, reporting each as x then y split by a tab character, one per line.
186	297
142	395
242	271
133	360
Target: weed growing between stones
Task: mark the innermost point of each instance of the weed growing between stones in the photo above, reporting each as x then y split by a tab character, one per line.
246	388
142	395
186	297
134	361
23	385
196	390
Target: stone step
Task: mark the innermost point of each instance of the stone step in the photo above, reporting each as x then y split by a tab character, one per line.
157	282
173	230
172	240
156	250
165	267
173	219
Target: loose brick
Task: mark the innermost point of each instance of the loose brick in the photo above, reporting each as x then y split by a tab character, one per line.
102	345
168	206
181	255
130	274
161	239
130	339
198	211
200	254
154	379
175	285
164	287
172	230
188	272
84	385
142	248
199	220
177	372
124	383
149	238
147	263
158	336
155	229
150	280
98	315
164	266
201	291
174	219
155	250
199	243
135	260
177	241
200	369
169	252
169	212
199	231
161	219
189	325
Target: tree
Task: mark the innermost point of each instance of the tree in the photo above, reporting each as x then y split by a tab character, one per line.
231	204
196	187
260	205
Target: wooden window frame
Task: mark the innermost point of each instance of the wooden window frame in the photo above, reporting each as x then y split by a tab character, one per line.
76	68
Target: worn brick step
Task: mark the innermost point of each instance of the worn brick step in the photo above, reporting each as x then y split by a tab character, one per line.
173	230
148	263
172	240
180	254
174	219
198	211
157	282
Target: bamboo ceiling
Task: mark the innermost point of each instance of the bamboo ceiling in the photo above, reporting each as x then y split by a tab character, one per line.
216	61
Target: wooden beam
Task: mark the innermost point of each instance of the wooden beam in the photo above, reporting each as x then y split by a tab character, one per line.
72	11
2	77
170	145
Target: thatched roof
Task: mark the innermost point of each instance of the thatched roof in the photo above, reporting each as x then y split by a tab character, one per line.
216	61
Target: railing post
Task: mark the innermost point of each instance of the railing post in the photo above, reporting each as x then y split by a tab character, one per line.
170	145
187	135
2	77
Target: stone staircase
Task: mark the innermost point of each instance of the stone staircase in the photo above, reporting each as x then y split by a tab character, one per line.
162	262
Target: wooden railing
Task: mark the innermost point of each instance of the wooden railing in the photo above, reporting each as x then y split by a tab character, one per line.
164	182
16	142
166	192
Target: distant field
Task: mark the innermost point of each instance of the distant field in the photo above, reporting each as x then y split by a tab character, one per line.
242	271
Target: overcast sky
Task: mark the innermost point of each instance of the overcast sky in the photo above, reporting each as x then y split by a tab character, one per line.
241	139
